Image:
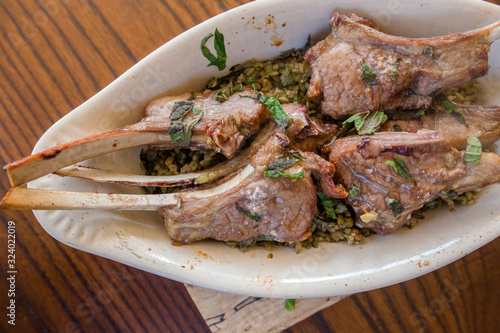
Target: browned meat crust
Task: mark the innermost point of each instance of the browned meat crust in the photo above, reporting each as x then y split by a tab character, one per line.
408	70
434	166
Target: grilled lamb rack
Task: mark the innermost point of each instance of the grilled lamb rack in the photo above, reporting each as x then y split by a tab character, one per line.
249	203
391	174
480	121
223	126
358	68
281	208
305	133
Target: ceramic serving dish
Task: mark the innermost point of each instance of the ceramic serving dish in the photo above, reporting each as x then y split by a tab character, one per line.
263	29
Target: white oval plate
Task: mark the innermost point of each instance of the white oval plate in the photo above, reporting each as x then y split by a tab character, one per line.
262	30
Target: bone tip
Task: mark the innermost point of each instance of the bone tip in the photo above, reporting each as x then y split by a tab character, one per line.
494	33
5	203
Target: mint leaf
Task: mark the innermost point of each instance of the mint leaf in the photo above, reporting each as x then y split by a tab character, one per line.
396	207
220	59
327	203
473	151
365	123
290	304
400	168
276	168
368	75
450	108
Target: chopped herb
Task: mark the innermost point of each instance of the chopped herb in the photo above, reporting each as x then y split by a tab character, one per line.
181	133
234	67
290	304
185	139
397	128
292	175
364	122
277	111
275	108
428	51
220	59
191	97
400	168
179	110
355	190
247	213
395	69
276	168
396	207
288	78
327	203
296	99
368	75
473	151
459	115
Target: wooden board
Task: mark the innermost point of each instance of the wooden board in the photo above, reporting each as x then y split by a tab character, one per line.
225	312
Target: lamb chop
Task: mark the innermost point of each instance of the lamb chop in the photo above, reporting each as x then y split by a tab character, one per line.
480	121
221	126
241	206
358	68
280	208
391	174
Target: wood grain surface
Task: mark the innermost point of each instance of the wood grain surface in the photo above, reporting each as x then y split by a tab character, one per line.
56	54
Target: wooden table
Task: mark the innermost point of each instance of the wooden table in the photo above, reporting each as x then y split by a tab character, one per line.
54	55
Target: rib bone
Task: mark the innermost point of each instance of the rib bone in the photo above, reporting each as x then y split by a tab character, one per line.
20	198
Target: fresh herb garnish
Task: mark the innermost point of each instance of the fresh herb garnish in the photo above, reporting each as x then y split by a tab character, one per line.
364	122
355	190
276	168
396	207
368	75
327	203
290	304
459	115
473	151
275	108
179	132
395	69
220	59
400	168
179	110
428	51
397	128
247	213
288	77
